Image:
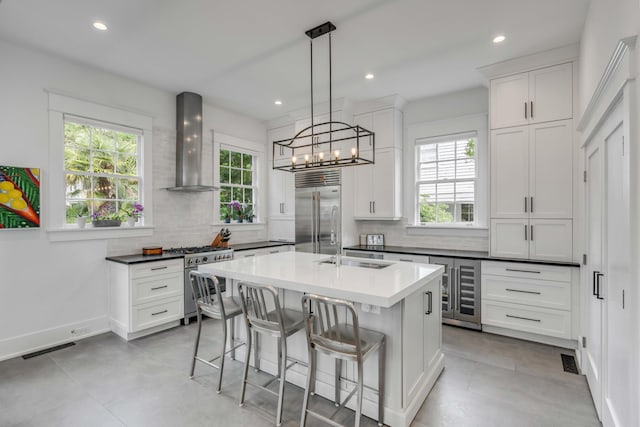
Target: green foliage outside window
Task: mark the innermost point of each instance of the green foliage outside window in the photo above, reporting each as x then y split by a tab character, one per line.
237	183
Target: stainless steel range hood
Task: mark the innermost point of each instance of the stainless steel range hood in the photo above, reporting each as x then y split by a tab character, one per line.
189	144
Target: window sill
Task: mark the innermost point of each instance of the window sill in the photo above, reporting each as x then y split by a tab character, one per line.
240	225
71	233
447	230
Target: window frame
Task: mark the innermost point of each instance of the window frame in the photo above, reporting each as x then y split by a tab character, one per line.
458	125
438	140
115	128
254	175
54	178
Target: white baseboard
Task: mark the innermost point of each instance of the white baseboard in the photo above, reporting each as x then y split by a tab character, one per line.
40	340
557	342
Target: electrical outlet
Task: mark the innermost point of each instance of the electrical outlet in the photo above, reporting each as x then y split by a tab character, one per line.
375	309
81	331
365	307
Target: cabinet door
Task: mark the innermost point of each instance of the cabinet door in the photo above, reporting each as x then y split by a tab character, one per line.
509	101
432	329
510	173
385	197
551	93
363	184
281	155
550	170
384	128
468	290
366	121
551	239
510	238
448	285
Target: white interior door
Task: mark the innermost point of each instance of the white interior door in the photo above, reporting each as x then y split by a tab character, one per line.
619	385
592	353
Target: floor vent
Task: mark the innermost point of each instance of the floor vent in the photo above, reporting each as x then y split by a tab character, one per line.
47	350
569	364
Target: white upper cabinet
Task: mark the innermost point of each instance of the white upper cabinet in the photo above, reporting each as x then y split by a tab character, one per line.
281	183
534	97
378	187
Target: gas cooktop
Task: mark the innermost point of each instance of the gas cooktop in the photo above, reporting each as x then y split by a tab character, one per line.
194	250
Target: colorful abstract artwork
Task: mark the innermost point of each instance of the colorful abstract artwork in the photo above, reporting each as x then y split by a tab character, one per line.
19	197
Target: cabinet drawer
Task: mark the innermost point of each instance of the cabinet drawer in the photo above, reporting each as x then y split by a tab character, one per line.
156	313
407	258
537	320
157	267
527	271
151	288
540	293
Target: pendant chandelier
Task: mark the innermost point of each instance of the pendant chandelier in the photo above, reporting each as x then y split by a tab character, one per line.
328	144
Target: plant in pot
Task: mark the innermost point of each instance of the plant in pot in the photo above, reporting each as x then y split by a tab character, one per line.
106	216
79	211
133	212
226	212
236	210
248	214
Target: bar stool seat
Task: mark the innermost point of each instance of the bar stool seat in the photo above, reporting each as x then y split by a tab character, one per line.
263	314
217	307
327	334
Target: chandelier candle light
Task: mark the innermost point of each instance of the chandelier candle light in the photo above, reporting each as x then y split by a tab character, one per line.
332	137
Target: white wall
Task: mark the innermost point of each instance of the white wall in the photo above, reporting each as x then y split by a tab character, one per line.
46	288
449	106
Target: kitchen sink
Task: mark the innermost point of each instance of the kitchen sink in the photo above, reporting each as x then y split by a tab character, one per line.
356	263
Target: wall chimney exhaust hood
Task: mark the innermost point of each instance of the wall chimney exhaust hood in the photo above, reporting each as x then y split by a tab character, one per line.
189	144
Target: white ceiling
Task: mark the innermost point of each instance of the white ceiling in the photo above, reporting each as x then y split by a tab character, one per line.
244	54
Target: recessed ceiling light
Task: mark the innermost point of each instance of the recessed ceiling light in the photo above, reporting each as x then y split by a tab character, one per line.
99	26
499	39
369	76
277	102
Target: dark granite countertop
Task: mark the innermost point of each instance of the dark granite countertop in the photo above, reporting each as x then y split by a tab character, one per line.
138	258
408	250
258	245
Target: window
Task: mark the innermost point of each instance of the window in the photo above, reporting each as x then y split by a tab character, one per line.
446	179
237	183
102	168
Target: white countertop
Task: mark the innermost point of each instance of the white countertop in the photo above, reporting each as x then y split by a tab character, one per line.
303	272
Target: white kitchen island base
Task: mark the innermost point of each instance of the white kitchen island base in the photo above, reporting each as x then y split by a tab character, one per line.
408	298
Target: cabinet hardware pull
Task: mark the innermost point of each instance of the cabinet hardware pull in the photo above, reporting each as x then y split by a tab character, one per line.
531	205
374	207
517	270
458	288
406	260
430	305
160	268
532	233
159	287
593	281
531	109
524	292
525	109
247	256
274	252
160	312
525	232
523	318
598	276
525	204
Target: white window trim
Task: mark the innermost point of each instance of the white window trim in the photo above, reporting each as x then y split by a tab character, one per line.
465	124
54	178
222	141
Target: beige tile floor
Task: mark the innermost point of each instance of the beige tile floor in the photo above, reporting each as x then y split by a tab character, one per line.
489	380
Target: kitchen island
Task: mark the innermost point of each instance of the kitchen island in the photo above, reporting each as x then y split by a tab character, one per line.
398	299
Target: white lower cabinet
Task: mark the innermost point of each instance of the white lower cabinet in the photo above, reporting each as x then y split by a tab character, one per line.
421	340
537	300
146	297
262	251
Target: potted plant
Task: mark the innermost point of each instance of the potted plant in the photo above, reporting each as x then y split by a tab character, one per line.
247	212
226	213
80	211
106	216
133	213
236	210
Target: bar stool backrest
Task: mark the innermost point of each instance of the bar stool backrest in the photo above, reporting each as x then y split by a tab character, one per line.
324	330
200	286
256	302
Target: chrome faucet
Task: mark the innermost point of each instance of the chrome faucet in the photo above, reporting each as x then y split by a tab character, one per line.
335	233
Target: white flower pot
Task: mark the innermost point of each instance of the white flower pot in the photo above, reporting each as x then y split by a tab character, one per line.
81	221
131	221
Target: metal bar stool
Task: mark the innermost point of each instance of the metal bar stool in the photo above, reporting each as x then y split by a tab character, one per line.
263	314
341	341
221	308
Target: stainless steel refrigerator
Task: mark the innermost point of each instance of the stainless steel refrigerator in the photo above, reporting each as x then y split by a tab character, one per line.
317	193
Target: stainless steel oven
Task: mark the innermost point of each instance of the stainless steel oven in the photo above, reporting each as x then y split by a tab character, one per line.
193	257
